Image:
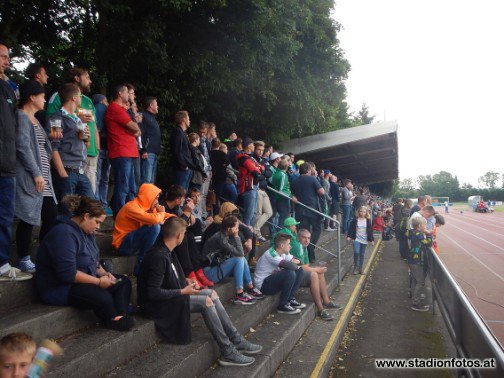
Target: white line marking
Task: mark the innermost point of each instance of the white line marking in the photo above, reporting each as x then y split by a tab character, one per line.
481	262
477	237
494	223
481	228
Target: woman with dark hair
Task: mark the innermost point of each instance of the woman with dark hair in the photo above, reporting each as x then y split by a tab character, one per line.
35	197
68	268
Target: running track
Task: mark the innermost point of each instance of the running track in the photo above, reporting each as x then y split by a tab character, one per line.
472	248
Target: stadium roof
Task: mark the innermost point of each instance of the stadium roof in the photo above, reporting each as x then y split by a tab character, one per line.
367	154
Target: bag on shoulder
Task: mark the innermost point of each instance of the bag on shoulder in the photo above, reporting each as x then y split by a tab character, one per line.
211	198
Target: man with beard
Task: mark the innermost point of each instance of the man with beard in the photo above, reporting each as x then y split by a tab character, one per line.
87	113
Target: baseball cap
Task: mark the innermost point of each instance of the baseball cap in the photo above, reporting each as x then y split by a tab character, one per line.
275	155
290	222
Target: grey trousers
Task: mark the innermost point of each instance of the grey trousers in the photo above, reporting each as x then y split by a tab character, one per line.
217	320
417	282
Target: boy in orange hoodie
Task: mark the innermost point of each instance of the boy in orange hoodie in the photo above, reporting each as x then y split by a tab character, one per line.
138	223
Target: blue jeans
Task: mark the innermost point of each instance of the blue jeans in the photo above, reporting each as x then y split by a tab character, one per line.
347	217
7	195
75	183
183	178
139	241
249	198
149	168
235	266
230	192
359	251
102	178
286	281
124	184
137	171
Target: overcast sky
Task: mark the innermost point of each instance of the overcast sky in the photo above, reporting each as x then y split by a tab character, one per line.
437	67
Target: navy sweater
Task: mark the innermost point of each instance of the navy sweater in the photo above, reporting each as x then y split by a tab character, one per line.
65	250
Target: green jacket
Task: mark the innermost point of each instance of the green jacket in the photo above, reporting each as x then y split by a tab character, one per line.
281	183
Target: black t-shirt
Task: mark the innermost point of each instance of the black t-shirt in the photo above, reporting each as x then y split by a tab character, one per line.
305	189
219	161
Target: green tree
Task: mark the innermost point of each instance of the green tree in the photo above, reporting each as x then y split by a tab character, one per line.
489	180
362	117
442	184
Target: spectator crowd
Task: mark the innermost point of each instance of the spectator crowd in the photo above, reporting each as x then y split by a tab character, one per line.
227	197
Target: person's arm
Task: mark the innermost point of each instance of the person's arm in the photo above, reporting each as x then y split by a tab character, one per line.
132	128
58	164
288	265
25	154
228	248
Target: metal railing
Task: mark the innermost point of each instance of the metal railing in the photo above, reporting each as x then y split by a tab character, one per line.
338	225
468	331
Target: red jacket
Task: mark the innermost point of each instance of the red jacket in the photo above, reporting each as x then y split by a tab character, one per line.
249	169
378	224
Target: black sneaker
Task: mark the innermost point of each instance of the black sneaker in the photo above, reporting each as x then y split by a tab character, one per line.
296	304
324	315
333	306
235	358
125	323
421	308
287	309
255	293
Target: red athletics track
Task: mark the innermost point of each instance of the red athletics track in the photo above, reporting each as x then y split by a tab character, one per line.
472	248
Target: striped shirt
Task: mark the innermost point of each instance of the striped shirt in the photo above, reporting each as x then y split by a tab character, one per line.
41	135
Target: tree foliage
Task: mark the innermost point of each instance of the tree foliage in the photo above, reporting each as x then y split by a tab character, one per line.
269	69
362	117
489	180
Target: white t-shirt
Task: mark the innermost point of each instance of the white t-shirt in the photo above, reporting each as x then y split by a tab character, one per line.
361	231
415	215
268	264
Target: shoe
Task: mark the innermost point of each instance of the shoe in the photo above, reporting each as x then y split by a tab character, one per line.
296	304
360	271
27	266
255	293
203	279
244	299
332	305
355	271
9	273
420	308
261	239
235	358
330	229
125	323
247	347
324	315
287	309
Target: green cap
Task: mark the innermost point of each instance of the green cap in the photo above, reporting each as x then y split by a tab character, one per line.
290	222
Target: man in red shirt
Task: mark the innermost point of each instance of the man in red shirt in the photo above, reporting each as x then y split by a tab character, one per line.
122	148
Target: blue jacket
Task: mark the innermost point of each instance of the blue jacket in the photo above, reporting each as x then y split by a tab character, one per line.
65	250
151	133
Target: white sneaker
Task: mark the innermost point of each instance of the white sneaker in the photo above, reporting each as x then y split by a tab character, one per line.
9	273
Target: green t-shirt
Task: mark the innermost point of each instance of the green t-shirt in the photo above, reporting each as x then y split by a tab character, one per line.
297	250
55	105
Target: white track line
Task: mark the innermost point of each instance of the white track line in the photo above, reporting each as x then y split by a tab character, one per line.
494	223
477	237
472	225
470	254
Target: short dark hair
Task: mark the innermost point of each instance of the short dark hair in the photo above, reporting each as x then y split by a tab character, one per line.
172	226
237	142
116	90
439	219
228	222
180	116
129	86
174	192
304	168
216	142
73	72
148	101
281	238
32	70
202	125
67	91
193	190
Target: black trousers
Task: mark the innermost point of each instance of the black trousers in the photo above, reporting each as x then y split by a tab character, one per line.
24	230
106	303
313	223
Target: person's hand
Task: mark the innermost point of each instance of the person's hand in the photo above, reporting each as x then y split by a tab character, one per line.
100	271
247	246
145	155
209	220
87	134
112	277
189	206
138	117
56	135
160	208
295	261
191	281
348	239
86	117
39	183
372	243
105	282
294	199
320	269
189	289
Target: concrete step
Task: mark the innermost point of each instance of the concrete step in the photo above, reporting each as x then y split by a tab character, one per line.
97	350
16	293
278	334
165	360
